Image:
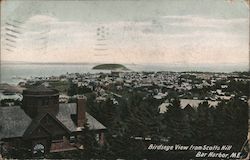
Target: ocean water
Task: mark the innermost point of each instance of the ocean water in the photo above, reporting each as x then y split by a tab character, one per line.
12	72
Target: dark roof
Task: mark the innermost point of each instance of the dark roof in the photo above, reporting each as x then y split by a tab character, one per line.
36	122
14	121
40	90
64	116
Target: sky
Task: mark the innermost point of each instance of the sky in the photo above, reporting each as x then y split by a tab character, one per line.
126	31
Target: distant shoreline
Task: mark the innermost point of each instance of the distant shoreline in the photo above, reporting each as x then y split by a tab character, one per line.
219	68
98	63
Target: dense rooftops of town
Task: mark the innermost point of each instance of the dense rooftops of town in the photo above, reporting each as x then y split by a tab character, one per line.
160	85
111	93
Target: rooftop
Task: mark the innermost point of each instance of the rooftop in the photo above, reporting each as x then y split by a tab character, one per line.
15	121
40	90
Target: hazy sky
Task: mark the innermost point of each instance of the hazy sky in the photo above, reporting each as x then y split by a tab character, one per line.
126	31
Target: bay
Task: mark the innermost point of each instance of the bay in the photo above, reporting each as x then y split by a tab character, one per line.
13	73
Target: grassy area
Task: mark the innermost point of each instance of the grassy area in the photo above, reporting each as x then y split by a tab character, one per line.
62	86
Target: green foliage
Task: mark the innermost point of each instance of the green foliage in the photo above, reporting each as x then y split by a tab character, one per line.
7	102
110	67
240	87
61	86
19	150
74	89
137	116
91	148
231	122
224	124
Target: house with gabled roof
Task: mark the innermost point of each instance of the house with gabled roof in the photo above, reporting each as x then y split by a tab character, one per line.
44	125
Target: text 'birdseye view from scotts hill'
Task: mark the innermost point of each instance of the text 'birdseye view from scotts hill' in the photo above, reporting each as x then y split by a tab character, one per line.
125	79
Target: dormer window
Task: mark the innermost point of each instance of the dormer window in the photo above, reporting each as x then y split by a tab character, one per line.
97	137
72	139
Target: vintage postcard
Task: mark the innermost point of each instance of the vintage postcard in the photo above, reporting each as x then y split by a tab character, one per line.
124	79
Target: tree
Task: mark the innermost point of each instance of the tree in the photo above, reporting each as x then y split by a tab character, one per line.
203	124
177	125
91	148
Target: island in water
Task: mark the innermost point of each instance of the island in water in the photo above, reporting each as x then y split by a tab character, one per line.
110	67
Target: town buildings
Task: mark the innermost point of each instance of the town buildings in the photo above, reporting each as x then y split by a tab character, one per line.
47	121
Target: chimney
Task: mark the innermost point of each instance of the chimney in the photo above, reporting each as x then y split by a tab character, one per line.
81	110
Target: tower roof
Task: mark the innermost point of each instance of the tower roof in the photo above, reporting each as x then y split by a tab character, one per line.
40	90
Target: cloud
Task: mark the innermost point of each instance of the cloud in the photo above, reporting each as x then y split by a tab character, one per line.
198	21
169	39
41	19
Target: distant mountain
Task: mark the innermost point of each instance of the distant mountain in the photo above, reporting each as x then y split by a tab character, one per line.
110	67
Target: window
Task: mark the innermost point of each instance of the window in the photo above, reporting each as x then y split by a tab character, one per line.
72	139
97	137
38	149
